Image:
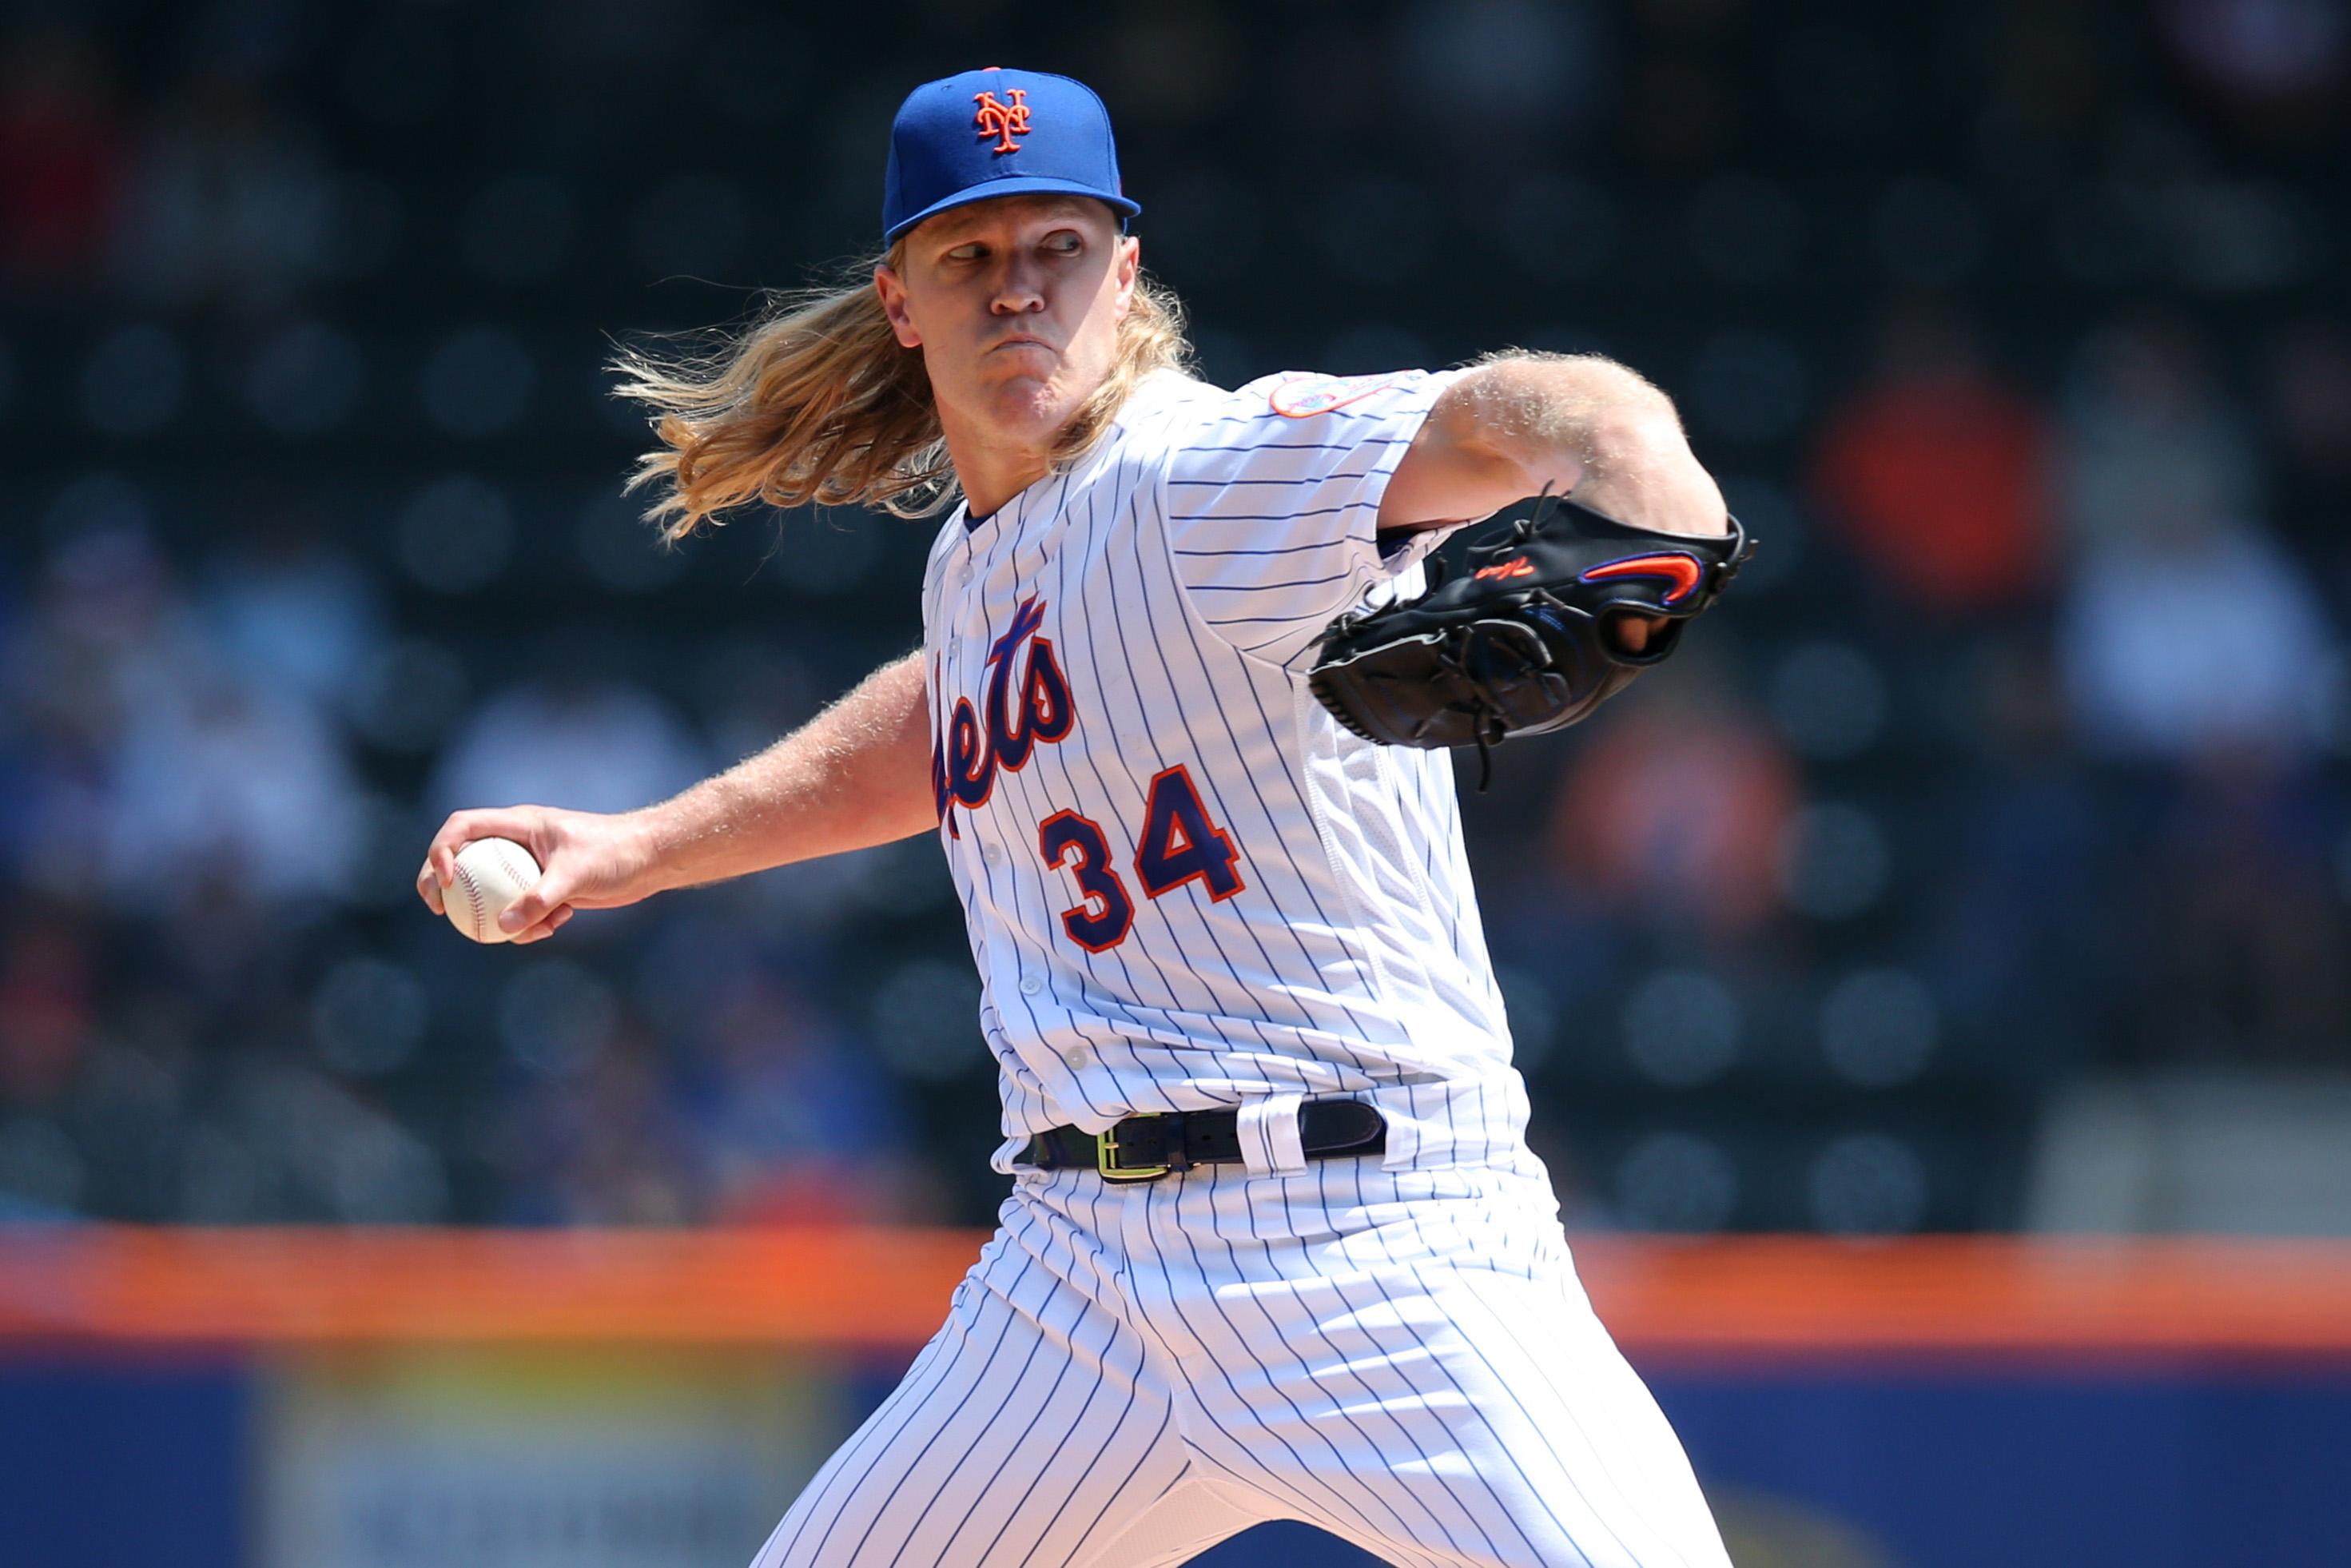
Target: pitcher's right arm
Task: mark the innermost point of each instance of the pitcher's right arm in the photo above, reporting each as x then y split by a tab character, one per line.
856	775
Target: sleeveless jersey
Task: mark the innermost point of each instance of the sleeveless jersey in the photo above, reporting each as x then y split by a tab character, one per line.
1186	885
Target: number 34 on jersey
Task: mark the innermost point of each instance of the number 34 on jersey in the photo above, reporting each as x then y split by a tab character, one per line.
1175	843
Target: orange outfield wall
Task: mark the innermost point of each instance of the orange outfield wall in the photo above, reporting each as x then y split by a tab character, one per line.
889	1288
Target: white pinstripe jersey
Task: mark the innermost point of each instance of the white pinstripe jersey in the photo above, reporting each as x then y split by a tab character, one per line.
1186	884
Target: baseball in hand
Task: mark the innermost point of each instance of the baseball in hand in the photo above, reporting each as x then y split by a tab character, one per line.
491	875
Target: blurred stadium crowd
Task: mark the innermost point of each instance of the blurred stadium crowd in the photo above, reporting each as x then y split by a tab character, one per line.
2018	337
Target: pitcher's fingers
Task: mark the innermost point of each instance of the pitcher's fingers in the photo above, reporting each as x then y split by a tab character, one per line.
552	890
1630	631
428	888
515	823
546	927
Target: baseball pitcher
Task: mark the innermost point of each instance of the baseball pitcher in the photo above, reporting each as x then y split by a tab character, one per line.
1275	1247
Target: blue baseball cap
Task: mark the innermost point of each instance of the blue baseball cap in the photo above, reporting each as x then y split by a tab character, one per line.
996	133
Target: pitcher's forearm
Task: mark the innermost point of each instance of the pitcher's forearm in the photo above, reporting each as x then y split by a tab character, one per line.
856	775
1576	424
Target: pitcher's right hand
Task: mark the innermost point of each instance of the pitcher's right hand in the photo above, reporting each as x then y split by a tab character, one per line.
587	861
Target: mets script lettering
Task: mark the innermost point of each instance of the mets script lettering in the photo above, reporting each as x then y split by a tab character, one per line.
1022	710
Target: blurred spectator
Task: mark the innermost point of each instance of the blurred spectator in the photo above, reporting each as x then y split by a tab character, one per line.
2150	449
2201	640
603	1146
569	736
792	1121
293	613
103	635
2242	938
218	780
2187	629
2277	66
2310	397
61	155
2018	918
2191	638
1483	66
149	766
227	204
47	999
1936	471
1674	812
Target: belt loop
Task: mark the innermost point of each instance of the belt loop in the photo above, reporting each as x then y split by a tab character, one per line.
1173	1153
1268	1128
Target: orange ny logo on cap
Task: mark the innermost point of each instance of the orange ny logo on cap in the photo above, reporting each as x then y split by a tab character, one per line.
1002	120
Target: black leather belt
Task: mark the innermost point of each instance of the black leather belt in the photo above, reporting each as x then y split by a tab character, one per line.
1148	1146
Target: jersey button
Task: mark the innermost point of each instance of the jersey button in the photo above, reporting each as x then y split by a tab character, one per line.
1075	1056
991	854
1031	984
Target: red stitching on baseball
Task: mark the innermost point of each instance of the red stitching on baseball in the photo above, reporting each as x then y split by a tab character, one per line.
473	896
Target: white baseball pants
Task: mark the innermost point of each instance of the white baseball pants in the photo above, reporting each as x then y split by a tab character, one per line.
1131	1373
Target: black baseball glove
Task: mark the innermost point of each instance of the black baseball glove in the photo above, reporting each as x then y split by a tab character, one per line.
1522	642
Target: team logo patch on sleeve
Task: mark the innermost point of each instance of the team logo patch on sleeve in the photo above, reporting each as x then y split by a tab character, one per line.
1309	395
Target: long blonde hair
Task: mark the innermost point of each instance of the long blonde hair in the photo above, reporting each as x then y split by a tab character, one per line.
815	401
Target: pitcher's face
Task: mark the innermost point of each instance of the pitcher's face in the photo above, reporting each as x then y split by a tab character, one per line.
1015	304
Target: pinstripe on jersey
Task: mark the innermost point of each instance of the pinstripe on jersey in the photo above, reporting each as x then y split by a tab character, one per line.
1171	583
1187	887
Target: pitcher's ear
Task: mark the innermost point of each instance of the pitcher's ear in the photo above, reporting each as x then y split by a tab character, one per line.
891	289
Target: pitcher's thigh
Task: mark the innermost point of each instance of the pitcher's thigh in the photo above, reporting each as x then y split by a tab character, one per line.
1586	1444
1028	1431
1458	1417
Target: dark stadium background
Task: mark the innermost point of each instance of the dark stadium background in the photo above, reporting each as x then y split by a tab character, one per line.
1983	866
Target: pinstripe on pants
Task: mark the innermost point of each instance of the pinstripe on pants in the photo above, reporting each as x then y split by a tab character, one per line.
1130	1374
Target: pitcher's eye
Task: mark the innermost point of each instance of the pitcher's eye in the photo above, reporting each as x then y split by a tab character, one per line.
1067	241
970	251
